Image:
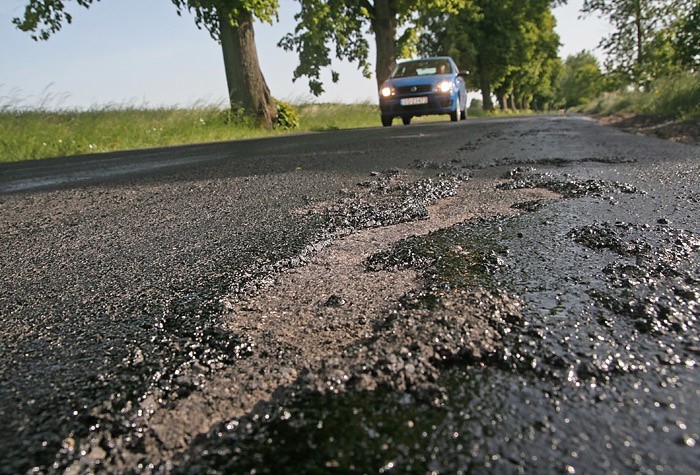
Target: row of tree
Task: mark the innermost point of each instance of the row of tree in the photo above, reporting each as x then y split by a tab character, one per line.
509	46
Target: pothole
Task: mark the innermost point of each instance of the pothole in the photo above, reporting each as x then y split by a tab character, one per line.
311	313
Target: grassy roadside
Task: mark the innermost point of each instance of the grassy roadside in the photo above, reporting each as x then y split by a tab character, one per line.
669	109
28	134
31	134
675	97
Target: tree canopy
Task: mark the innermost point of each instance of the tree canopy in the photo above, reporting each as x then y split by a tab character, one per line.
651	38
581	79
687	41
509	47
334	28
43	18
208	12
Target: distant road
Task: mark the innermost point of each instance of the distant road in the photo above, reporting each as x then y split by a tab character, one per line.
324	151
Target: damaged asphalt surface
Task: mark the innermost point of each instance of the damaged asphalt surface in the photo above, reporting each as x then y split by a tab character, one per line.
507	295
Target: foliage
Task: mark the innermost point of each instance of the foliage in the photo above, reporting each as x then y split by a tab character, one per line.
476	103
675	96
581	80
533	74
651	38
322	24
509	47
45	17
333	28
207	12
686	30
287	116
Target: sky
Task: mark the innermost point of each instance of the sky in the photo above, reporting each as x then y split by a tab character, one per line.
140	53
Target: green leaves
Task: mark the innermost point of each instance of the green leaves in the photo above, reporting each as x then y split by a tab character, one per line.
322	24
287	116
509	47
686	37
208	13
330	29
581	80
651	38
45	17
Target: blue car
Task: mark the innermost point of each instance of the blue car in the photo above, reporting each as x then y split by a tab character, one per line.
423	87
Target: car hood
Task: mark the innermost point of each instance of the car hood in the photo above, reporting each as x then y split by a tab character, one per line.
417	80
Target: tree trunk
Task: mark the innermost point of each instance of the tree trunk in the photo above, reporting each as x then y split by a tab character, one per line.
501	96
384	26
246	84
640	33
638	24
485	86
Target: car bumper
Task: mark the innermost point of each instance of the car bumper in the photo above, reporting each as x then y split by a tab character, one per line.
435	104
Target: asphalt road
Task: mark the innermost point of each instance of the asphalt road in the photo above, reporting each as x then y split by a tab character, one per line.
120	274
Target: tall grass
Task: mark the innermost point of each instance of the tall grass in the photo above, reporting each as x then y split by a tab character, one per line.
676	97
318	117
30	134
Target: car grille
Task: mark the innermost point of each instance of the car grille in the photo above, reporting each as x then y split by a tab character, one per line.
413	89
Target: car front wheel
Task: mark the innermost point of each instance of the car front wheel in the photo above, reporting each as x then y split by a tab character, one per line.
406	120
456	114
387	120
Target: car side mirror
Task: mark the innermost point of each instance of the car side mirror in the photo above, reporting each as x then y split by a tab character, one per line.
463	74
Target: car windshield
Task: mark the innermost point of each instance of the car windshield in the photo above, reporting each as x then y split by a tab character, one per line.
422	67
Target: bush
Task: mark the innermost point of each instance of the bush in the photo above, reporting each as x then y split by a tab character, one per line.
674	96
476	109
287	116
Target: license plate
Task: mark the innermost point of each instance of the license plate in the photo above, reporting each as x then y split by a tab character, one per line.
414	101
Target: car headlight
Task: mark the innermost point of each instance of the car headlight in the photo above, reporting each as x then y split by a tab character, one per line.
445	86
387	91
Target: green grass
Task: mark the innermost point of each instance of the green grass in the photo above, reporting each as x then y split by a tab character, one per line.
319	117
27	134
676	97
32	134
38	134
